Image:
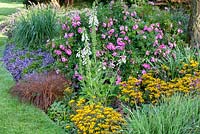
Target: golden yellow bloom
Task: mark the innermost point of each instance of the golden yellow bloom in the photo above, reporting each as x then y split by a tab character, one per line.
71	102
68	90
150	89
68	126
95	118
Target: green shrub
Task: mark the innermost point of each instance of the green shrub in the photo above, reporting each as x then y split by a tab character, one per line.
35	27
177	115
60	111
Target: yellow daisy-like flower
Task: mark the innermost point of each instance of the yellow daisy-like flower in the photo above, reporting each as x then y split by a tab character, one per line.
95	118
68	126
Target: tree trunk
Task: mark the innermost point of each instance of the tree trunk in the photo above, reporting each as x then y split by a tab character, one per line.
194	24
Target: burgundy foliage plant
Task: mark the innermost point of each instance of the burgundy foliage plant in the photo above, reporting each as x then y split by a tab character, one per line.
41	89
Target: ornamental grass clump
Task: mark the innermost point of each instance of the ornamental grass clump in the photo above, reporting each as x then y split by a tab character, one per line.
41	89
176	115
35	26
97	119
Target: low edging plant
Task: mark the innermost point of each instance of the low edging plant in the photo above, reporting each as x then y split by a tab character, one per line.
41	89
35	26
176	115
22	62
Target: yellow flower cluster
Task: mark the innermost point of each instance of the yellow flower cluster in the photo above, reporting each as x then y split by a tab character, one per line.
68	90
189	68
97	119
131	91
151	89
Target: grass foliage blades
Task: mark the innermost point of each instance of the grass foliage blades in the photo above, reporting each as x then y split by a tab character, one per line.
35	26
176	115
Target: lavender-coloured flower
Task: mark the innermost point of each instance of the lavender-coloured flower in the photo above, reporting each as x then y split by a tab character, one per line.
66	35
111	64
123	32
98	53
144	72
58	52
77	18
121	28
62	47
114	54
180	30
126	38
145	28
111	46
118	81
15	64
146	66
103	36
120	42
80	30
153	59
123	58
68	51
147	52
104	65
111	31
126	29
155	43
63	59
135	27
70	35
64	26
162	46
133	14
104	24
158	24
126	13
159	36
110	23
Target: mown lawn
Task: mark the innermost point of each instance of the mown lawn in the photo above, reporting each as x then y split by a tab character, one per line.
16	117
7	7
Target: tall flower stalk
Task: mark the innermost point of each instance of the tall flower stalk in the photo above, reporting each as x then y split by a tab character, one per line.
94	86
93	23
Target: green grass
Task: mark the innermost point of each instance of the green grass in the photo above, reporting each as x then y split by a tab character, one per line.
7	7
17	117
